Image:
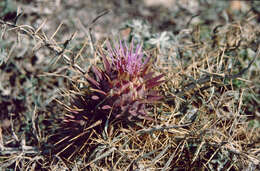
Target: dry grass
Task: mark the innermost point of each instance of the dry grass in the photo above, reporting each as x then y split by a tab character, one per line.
208	119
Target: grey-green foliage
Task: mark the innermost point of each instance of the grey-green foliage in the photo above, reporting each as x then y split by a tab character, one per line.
3	56
221	159
164	39
141	31
3	52
7	6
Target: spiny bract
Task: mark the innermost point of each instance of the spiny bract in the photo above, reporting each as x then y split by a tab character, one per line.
121	89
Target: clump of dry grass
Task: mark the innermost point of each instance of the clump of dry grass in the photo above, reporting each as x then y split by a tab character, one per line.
207	120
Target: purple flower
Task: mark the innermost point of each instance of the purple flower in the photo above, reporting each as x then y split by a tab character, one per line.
127	59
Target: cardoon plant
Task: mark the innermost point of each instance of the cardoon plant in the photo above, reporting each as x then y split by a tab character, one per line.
121	89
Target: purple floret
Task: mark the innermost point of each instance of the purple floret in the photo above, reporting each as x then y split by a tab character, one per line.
126	59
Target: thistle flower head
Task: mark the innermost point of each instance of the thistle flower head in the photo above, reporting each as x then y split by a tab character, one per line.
121	89
125	84
127	59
